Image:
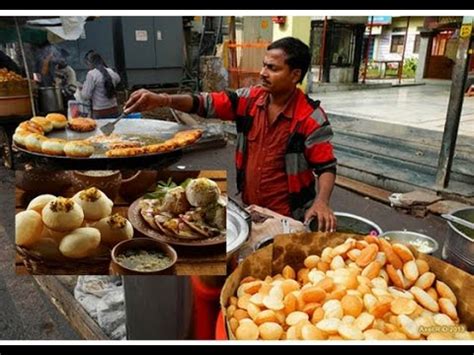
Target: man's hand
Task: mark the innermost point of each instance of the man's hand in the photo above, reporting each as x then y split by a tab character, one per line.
144	100
324	214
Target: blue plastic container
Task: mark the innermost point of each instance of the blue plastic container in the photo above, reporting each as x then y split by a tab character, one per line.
134	115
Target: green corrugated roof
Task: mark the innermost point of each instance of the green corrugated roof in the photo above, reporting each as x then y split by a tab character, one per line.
28	35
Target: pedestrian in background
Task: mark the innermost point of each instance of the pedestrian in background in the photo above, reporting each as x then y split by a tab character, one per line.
100	87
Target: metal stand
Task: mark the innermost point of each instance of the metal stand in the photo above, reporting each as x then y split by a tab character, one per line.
7	127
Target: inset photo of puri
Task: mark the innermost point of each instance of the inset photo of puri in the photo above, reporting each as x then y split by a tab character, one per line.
121	222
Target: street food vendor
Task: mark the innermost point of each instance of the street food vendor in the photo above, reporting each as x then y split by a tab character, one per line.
65	78
283	137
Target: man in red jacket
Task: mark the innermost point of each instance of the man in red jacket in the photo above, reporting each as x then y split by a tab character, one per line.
283	137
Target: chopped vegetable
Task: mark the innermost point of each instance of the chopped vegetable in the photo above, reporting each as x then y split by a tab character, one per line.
161	189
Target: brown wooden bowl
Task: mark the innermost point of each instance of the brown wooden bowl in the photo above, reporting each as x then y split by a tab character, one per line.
40	181
117	268
136	182
108	181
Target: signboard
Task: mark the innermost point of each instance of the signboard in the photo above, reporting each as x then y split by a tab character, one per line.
379	20
433	22
376	30
141	35
465	31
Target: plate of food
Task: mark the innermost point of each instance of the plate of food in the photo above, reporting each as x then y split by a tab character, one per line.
192	213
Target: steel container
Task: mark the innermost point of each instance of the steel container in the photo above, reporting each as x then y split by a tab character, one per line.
420	242
50	100
458	248
351	223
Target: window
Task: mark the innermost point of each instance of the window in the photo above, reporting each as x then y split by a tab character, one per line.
397	44
440	42
399	29
416	46
340	44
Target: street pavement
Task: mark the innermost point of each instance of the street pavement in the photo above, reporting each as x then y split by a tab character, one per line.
422	106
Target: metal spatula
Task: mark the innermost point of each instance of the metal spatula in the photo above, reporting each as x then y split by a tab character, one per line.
458	220
108	128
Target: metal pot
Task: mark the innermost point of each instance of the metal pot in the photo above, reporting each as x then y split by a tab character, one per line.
458	248
50	100
346	223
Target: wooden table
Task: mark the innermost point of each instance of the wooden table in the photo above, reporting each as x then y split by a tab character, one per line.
191	261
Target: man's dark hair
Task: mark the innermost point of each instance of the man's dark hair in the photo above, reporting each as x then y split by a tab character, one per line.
61	63
297	53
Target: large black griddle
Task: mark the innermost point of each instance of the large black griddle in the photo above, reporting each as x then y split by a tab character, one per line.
155	131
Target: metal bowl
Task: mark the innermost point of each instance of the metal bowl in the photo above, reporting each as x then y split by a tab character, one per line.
422	243
350	223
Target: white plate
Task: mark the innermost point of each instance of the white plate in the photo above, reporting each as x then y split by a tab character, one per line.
237	231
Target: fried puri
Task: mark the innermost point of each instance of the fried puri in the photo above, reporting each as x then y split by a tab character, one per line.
82	124
79	149
58	120
53	146
34	142
125	152
45	124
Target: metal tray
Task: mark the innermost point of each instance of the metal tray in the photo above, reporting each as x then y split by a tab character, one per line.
136	219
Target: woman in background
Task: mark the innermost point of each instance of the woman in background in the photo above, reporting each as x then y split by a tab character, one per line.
99	87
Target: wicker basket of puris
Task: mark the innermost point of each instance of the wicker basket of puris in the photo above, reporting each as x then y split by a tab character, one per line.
38	264
336	286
